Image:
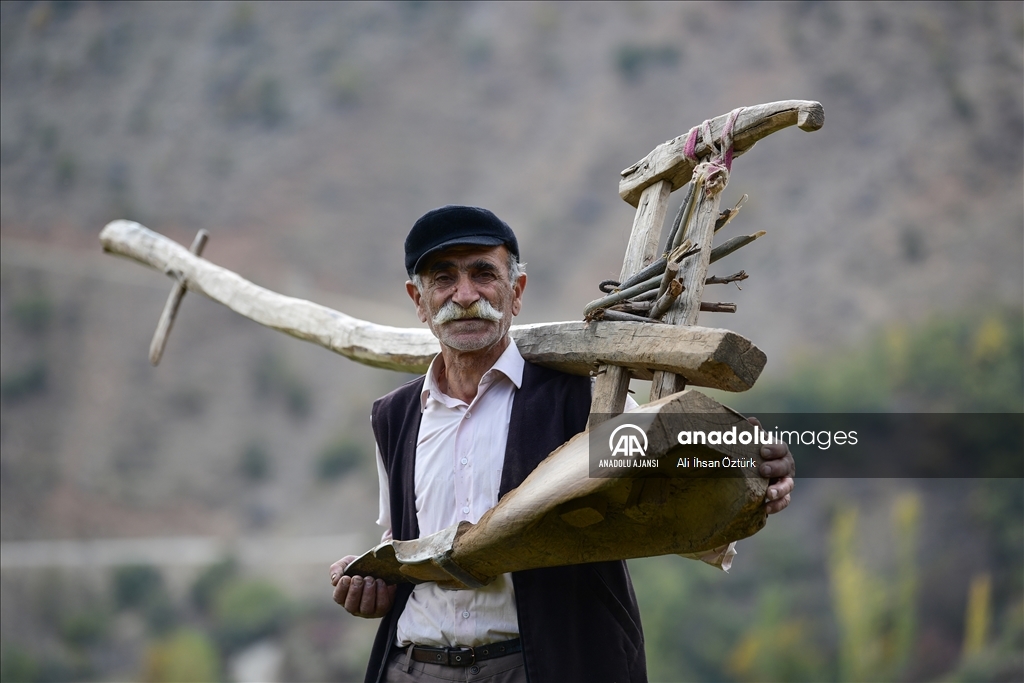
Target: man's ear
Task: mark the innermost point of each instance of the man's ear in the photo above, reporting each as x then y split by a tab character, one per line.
417	299
517	293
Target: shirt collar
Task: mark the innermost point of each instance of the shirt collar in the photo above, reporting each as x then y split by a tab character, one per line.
510	364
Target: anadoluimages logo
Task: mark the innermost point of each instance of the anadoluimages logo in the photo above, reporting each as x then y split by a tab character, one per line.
628	440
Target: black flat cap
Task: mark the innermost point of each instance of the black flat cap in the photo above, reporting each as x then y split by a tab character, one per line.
453	225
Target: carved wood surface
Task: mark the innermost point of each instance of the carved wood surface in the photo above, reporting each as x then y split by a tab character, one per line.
667	161
709	357
562	515
613	379
700	232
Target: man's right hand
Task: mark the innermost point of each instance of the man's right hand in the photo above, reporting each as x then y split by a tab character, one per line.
362	596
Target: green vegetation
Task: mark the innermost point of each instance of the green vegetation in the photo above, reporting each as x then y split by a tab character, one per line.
210	582
185	656
246	610
141	588
66	170
85	627
26	383
346	85
255	463
634	61
33	313
274	380
973	362
338	459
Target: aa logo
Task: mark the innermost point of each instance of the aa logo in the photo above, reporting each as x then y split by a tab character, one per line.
628	440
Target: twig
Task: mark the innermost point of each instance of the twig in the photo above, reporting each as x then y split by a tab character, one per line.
633	306
665	301
709	307
656	268
621	295
608	286
735	277
729	246
677	223
726	216
649	296
668	277
605	314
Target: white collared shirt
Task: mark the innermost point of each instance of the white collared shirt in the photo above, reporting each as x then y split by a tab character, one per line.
460	452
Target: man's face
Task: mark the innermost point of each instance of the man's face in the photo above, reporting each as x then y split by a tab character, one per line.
467	299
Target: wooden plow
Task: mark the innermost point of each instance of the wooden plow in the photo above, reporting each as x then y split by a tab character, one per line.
568	510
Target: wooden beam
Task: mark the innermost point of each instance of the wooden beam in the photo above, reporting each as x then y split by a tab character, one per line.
708	357
667	161
612	382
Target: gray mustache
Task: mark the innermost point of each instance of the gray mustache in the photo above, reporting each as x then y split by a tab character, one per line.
481	308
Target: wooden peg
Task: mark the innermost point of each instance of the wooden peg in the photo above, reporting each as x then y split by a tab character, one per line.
163	327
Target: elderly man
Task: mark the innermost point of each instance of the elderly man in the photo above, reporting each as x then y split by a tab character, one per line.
450	444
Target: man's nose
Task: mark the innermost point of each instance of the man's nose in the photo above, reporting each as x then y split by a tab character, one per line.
466	293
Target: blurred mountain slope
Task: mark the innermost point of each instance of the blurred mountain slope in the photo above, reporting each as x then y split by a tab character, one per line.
308	137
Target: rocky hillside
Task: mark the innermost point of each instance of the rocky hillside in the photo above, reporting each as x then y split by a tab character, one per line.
308	137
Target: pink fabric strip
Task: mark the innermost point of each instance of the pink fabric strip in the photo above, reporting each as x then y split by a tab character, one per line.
690	148
727	136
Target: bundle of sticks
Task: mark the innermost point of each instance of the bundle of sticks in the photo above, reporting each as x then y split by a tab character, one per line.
649	294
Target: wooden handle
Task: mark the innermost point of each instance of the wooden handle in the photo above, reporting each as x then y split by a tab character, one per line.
667	161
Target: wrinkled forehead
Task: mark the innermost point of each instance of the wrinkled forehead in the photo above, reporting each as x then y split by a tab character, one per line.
466	255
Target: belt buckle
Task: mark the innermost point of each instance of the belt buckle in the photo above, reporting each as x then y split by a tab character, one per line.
461	656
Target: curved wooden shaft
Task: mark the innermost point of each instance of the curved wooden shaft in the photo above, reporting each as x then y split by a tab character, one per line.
710	357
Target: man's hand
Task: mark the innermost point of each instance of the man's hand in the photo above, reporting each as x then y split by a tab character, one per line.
362	596
779	469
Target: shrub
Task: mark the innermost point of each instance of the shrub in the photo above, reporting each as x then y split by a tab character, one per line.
84	628
33	313
136	585
210	582
255	464
632	61
338	459
248	610
28	382
186	656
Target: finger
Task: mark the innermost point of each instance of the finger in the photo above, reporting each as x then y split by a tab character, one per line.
341	590
368	603
777	505
383	598
781	488
775	451
776	469
355	595
339	567
754	421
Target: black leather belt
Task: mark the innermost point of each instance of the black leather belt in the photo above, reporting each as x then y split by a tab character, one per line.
464	656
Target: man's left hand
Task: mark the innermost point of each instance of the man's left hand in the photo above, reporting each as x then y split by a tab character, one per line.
779	469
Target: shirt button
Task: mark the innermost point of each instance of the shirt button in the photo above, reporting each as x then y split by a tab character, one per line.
469	415
466	510
465	615
464	461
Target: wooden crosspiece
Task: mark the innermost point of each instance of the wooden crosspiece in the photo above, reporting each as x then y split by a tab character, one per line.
560	514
